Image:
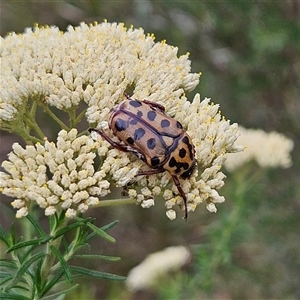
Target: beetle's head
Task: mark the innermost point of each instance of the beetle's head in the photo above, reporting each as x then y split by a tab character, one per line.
189	172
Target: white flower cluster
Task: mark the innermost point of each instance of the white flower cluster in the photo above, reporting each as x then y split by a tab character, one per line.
54	176
156	265
268	150
95	65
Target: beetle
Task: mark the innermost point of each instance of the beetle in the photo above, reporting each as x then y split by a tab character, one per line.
159	140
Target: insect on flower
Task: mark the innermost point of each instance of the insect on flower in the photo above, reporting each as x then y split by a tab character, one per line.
153	136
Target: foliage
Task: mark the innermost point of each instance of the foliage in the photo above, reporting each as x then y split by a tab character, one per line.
36	266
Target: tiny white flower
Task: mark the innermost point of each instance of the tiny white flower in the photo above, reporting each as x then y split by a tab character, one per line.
171	214
71	213
147	203
22	212
50	210
211	207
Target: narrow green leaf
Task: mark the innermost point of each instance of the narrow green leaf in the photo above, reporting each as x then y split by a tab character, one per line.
35	242
54	280
12	234
21	287
68	228
91	256
4	235
37	276
8	263
101	232
96	274
28	252
8	296
63	263
23	269
33	220
5	277
56	295
110	225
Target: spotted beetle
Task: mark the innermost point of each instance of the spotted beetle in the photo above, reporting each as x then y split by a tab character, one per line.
153	136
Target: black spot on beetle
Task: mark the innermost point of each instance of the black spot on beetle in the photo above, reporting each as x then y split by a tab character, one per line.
165	123
139	114
120	125
138	134
130	140
178	125
182	152
154	161
185	166
151	143
133	121
186	140
151	115
172	162
135	103
190	146
189	172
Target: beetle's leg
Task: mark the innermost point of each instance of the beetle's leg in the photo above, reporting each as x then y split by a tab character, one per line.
150	172
116	145
155	105
181	192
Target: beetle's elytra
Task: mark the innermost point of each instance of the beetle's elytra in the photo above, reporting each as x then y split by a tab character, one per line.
146	130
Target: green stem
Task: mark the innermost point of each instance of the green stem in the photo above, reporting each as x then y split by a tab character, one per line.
33	125
121	201
80	116
50	257
26	136
72	118
55	118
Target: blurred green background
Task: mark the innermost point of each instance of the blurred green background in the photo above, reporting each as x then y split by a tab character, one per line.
249	56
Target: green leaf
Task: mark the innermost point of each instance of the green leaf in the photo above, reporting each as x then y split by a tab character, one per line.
5	277
8	296
68	228
8	263
54	280
96	274
23	269
63	263
100	232
4	235
110	225
36	225
37	276
56	295
92	256
34	242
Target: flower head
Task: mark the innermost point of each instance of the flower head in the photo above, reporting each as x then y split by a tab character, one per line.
92	67
156	265
91	64
269	150
55	176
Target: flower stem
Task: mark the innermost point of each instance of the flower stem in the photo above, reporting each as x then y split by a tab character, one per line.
55	118
50	257
120	201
